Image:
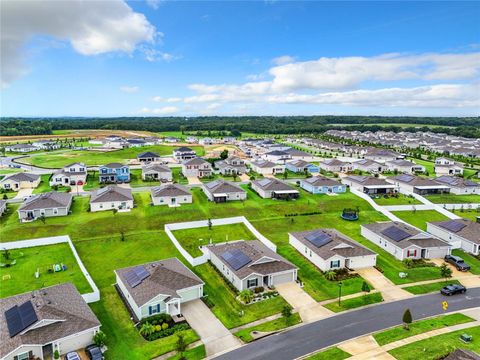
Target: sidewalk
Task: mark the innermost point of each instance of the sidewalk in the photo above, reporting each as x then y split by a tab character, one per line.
389	290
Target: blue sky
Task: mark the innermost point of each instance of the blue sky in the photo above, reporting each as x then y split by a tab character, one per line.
112	58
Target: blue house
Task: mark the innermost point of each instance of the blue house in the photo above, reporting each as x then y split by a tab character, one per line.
114	173
322	185
297	166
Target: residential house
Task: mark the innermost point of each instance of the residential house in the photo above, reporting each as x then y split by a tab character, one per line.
418	185
271	188
446	166
221	191
20	181
369	184
197	167
3	206
251	264
322	185
459	233
183	153
171	139
114	173
404	166
229	139
404	241
111	197
157	172
158	287
171	195
231	165
73	174
47	204
265	167
277	156
335	165
206	141
459	186
299	155
382	155
148	157
370	166
191	139
136	142
301	166
36	324
21	148
46	144
329	249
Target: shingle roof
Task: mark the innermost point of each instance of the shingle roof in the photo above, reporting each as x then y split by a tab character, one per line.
263	164
58	302
277	153
196	161
272	184
170	190
166	277
111	193
415	180
333	162
367	180
183	149
114	165
21	176
299	163
148	154
321	181
222	186
470	230
456	181
53	199
155	168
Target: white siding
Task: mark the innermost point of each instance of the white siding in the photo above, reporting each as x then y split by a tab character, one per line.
165	200
109	205
129	299
453	239
76	342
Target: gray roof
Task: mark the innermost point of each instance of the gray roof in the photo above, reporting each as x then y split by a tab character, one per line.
222	186
333	162
263	164
148	154
170	190
367	180
401	162
59	302
456	181
114	165
153	167
255	250
416	237
365	162
321	181
22	176
300	163
111	193
166	277
340	244
295	152
277	153
22	146
470	230
416	180
272	184
53	199
196	161
183	149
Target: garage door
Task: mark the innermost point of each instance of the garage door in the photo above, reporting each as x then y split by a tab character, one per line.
77	342
282	278
436	253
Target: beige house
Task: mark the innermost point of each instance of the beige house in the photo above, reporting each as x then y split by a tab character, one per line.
171	195
111	197
20	181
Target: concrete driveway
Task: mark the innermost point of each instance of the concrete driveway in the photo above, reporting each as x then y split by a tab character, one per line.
193	180
455	272
214	335
23	193
388	289
308	309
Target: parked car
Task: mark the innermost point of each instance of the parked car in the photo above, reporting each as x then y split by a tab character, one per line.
453	289
458	262
94	352
72	356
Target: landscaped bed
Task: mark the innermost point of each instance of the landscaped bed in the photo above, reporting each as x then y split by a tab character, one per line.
355	302
160	326
269	326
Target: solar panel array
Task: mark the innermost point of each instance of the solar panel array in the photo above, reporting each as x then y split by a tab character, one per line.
319	238
395	233
453	225
447	179
212	184
236	258
135	276
20	317
264	182
405	178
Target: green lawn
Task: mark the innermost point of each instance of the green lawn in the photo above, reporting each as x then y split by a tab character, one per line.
20	278
438	346
453	199
420	218
58	159
274	325
291	175
334	353
196	353
355	302
400	200
419	327
177	177
467	214
191	239
428	288
471	260
9	171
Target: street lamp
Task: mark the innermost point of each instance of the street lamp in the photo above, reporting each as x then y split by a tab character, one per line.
339	292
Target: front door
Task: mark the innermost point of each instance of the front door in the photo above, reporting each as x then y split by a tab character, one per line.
174	200
265	281
174	308
47	352
423	253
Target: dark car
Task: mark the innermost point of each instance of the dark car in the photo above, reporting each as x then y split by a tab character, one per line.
458	262
94	353
72	355
453	289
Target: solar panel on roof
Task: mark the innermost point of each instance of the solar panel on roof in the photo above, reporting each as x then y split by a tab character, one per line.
405	177
453	225
264	182
395	233
236	259
141	272
20	317
132	278
319	238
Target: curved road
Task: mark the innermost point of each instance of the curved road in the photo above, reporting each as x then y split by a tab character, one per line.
308	338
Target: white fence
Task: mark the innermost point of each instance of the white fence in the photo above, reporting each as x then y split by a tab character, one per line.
215	222
89	297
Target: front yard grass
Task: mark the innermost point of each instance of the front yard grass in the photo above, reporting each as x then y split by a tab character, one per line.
438	346
420	218
471	260
400	200
191	239
429	288
355	302
334	353
196	353
274	325
453	199
20	277
419	327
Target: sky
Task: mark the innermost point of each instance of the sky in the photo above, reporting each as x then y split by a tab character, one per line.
198	58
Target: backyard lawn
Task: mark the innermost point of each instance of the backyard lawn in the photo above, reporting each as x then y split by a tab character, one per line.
428	288
420	218
355	302
400	200
274	325
191	239
20	277
468	214
453	199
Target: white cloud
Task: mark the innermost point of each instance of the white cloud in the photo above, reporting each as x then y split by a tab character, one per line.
154	55
282	60
167	100
154	4
129	89
167	110
91	27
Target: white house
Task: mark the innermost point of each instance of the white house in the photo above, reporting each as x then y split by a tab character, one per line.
73	174
265	167
446	166
459	233
335	165
48	204
322	185
271	188
21	148
183	153
221	191
158	287
20	181
158	172
418	185
277	156
404	166
111	197
171	195
369	184
370	166
382	155
197	167
459	186
329	249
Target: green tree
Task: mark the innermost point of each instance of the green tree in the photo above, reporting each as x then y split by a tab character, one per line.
181	345
407	319
224	154
246	296
100	338
330	275
287	313
6	254
147	329
445	271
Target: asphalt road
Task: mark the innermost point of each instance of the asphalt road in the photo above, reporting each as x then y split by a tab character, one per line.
314	336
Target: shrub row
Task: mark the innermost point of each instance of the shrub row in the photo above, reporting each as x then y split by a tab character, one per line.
167	332
304	214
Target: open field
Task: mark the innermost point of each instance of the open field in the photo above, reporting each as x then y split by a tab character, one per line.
20	277
453	199
420	218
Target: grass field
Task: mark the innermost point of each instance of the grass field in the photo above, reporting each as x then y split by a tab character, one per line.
419	327
428	288
400	200
42	258
420	218
355	302
467	214
190	238
334	353
453	199
274	325
438	346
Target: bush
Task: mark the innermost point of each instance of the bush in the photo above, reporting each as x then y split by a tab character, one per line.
258	289
157	319
167	332
100	338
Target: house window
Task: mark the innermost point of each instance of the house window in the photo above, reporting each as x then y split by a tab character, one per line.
334	264
411	253
155	309
252	283
55	211
101	206
23	356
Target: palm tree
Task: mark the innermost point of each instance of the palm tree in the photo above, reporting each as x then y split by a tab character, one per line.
246	296
147	329
330	275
